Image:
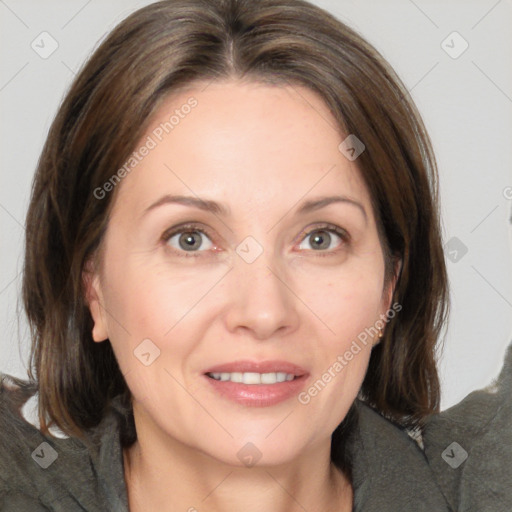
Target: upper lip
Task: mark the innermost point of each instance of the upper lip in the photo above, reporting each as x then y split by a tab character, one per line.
258	367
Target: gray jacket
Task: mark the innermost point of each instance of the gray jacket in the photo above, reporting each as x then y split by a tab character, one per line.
462	462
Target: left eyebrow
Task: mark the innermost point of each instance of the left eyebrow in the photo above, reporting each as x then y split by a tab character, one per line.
321	202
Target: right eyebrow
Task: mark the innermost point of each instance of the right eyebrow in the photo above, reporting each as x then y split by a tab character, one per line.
194	202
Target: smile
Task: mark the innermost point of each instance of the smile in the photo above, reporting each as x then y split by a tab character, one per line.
252	377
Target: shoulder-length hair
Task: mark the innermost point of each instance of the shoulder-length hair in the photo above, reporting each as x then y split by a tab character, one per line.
170	45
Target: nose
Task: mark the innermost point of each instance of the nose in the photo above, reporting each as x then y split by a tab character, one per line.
262	301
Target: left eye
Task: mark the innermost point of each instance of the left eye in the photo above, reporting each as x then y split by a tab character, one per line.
322	238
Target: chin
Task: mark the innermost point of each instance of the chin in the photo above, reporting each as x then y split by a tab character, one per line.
258	450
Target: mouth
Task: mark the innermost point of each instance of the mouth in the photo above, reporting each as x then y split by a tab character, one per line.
258	384
256	372
252	378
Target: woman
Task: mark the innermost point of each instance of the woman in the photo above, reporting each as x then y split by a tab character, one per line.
235	281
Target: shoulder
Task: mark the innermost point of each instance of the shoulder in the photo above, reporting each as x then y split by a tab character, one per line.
39	472
463	460
389	468
469	446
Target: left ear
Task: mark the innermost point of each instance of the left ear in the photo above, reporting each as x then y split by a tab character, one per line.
388	293
390	290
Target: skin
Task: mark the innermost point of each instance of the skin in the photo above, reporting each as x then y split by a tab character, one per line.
262	150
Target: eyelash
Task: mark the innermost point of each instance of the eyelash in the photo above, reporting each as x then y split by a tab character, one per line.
330	228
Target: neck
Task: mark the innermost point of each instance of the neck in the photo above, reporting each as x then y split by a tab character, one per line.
177	477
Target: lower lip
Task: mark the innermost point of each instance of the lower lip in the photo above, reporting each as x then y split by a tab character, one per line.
258	395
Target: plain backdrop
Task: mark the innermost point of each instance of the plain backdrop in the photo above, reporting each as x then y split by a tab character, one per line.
465	98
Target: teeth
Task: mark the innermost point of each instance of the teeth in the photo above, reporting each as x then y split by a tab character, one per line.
253	378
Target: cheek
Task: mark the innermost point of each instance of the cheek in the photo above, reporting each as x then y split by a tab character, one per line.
156	302
149	297
346	300
349	308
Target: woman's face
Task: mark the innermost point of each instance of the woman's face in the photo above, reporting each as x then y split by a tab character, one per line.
255	274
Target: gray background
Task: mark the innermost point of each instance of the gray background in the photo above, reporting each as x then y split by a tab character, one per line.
466	103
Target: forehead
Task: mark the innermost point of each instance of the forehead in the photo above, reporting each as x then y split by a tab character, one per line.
248	143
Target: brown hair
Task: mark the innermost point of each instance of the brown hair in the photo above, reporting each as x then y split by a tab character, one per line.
173	44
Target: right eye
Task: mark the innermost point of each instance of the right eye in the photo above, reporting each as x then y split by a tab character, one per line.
187	239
